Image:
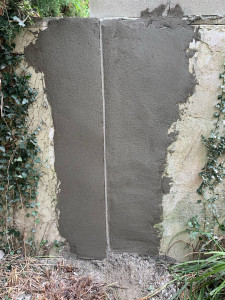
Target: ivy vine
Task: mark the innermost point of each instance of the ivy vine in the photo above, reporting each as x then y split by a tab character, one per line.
212	175
19	150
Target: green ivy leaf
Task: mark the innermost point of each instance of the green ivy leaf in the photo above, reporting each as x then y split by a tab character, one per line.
33	205
38	160
24	175
2	148
34	213
18	159
25	101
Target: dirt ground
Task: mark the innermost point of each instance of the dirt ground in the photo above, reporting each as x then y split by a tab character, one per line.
129	276
118	277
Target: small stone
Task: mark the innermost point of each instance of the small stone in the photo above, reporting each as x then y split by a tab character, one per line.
23	297
2	254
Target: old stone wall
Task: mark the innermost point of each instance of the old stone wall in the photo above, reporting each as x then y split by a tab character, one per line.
40	118
123	104
186	156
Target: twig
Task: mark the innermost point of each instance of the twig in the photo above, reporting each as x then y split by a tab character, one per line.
2	99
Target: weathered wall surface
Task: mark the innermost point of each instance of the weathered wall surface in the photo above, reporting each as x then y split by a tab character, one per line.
186	156
133	8
146	71
68	53
40	115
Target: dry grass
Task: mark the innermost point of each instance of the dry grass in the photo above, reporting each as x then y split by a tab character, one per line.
46	279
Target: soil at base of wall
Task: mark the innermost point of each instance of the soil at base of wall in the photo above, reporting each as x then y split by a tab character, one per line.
118	277
129	276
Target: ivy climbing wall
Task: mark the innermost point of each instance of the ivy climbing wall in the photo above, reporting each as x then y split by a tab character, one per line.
186	156
129	100
40	116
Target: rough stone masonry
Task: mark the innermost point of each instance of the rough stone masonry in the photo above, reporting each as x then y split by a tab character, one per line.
115	88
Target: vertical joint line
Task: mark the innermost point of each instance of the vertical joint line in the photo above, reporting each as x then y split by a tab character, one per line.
104	134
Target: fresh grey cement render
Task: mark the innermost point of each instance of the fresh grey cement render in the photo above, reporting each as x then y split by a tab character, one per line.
133	8
146	71
68	53
124	79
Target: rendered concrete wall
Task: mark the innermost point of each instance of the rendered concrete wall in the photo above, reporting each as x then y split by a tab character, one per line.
187	155
133	8
146	71
68	52
155	82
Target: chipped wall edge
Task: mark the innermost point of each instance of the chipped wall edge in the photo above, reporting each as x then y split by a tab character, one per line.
40	116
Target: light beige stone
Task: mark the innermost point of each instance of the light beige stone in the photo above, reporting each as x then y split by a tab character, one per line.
187	155
40	117
2	254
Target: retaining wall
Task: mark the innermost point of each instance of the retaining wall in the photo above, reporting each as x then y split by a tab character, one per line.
130	100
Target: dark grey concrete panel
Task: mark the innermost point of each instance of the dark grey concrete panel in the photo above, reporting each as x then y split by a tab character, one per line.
68	53
146	76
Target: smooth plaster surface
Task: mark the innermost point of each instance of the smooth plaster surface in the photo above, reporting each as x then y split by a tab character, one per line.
68	54
133	8
146	70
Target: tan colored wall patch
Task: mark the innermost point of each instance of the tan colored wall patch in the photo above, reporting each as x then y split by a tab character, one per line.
186	156
40	118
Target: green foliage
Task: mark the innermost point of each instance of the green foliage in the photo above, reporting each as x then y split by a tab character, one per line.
202	278
47	8
77	8
19	151
212	174
14	14
19	160
54	8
